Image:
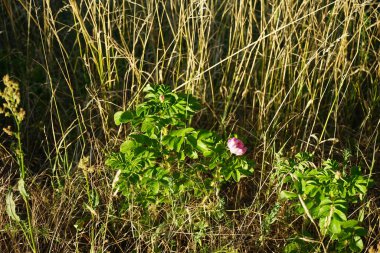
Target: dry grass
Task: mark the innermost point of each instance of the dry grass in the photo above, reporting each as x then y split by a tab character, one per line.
288	75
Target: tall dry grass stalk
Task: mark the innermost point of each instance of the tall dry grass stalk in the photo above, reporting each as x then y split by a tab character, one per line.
289	75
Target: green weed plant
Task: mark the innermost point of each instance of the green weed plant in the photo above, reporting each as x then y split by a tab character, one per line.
325	197
11	107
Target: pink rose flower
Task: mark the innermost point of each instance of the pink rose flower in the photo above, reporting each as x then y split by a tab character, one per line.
236	146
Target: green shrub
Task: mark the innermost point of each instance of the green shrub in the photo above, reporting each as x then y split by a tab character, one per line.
324	196
163	158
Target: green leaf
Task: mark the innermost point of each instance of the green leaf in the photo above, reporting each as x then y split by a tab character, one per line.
227	175
168	141
142	139
148	125
293	247
172	143
117	117
141	108
21	188
193	154
361	188
204	134
11	207
310	188
128	146
181	132
358	243
94	198
150	95
324	211
207	153
288	195
335	226
236	176
325	201
123	117
355	171
192	140
155	186
148	88
202	146
349	224
341	205
181	156
134	178
342	216
360	231
178	144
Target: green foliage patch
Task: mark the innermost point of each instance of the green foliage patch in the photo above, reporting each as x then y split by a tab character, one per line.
163	158
325	196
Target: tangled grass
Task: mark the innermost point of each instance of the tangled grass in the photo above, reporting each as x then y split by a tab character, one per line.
288	75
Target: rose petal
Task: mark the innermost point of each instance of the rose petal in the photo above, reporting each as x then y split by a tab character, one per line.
236	146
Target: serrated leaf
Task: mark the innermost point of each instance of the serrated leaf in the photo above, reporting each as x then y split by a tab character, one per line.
11	207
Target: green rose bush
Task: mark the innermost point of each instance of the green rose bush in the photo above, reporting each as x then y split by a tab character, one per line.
163	158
